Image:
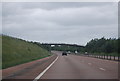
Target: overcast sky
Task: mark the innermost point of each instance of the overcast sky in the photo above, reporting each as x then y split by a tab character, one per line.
64	22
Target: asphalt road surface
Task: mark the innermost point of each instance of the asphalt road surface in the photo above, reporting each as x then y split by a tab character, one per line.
80	67
65	67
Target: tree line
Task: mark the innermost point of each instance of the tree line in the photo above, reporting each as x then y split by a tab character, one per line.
103	45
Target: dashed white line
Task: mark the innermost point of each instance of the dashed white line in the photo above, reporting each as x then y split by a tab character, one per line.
90	63
41	74
102	69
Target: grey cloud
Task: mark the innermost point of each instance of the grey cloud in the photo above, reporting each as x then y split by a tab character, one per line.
60	22
58	5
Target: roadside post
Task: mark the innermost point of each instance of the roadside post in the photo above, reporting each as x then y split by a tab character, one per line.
110	57
114	57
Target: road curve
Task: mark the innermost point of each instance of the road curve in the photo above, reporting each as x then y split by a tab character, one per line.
80	67
65	67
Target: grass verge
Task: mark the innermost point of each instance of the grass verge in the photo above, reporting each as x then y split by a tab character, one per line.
16	51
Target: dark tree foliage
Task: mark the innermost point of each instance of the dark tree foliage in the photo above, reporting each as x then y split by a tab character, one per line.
63	47
96	45
102	45
119	45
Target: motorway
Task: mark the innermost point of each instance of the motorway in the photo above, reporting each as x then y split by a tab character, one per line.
67	67
80	67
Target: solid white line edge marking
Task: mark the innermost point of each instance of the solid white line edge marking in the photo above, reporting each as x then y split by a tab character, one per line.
41	74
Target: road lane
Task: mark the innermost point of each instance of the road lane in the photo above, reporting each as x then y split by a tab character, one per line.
67	67
42	73
80	67
28	70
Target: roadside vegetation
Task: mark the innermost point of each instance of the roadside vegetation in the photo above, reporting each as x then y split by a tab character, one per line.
64	47
17	51
103	46
96	46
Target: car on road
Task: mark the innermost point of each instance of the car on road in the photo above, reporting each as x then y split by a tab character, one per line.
68	52
86	53
64	53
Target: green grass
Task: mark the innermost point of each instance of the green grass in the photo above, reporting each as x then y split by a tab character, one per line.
16	51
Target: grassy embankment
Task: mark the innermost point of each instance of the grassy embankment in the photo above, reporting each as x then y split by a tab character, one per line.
17	51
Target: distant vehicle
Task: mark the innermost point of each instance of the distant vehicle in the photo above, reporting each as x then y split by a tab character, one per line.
64	53
86	53
68	52
76	52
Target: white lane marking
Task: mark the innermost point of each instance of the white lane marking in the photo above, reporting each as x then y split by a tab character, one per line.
41	74
102	69
90	63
